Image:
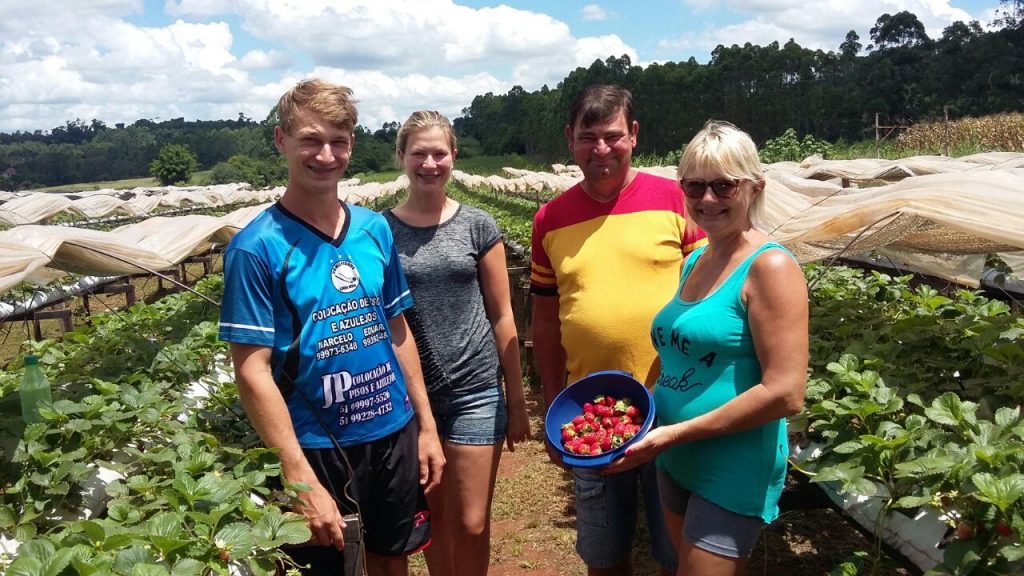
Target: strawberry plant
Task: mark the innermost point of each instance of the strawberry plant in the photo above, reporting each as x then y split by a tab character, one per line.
190	492
913	398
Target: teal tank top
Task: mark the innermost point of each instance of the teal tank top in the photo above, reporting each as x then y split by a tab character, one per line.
707	359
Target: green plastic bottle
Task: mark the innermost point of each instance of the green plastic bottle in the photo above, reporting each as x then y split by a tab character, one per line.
35	390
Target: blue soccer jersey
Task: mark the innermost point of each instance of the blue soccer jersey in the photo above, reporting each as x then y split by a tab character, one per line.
322	305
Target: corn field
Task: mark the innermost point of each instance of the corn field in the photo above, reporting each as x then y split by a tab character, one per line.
1003	132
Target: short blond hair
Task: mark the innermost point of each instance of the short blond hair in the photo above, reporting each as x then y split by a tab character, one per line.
333	101
424	120
722	147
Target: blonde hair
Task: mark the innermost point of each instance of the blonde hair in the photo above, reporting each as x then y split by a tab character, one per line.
333	101
722	147
424	120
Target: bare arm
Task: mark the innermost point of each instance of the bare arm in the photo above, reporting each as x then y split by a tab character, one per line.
431	457
269	415
498	303
547	347
776	295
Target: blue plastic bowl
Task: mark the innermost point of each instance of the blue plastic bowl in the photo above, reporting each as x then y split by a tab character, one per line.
569	404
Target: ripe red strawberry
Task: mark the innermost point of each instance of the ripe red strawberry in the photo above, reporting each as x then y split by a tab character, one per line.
1003	529
964	531
604	425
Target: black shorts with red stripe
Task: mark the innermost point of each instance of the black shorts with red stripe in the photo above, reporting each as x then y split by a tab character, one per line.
385	484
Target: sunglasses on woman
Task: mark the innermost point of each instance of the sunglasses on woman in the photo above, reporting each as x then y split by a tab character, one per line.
723	187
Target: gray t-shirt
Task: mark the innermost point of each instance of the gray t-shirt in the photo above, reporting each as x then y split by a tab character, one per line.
448	318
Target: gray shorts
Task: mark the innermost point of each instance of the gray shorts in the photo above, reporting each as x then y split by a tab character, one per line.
475	418
708	526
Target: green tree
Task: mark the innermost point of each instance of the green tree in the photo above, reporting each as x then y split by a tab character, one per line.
259	172
1010	13
174	164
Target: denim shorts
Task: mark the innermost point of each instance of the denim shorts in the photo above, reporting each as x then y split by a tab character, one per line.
476	418
606	515
708	526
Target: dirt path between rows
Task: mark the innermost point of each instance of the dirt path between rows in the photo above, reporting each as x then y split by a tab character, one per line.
533	527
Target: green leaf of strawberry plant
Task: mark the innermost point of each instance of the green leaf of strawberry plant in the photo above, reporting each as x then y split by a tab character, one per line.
275	528
1002	492
236	538
26	566
129	557
949	410
7	517
1006	416
149	570
188	567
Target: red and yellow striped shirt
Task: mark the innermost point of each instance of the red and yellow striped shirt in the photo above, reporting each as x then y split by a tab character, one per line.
613	265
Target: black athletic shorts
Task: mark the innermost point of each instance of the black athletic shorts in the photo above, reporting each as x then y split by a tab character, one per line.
387	488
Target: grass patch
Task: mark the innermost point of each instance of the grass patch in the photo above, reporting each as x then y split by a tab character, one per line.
488	165
382	177
201	178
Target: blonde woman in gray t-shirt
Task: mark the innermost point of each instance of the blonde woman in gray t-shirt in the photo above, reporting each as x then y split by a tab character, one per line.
454	261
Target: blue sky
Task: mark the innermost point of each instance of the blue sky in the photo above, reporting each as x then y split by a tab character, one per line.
121	60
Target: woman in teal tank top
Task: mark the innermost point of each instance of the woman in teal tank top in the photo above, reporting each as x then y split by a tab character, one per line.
733	345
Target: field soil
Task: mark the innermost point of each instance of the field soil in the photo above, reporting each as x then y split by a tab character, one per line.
533	527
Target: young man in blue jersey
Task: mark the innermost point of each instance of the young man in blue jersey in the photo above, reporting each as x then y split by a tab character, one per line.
313	308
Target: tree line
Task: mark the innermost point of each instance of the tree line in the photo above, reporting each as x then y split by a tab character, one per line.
902	76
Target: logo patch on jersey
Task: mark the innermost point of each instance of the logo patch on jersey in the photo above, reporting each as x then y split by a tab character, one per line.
344	276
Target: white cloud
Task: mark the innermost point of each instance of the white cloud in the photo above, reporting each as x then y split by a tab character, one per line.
265	60
384	98
198	8
404	36
699	6
822	25
594	12
121	60
85	62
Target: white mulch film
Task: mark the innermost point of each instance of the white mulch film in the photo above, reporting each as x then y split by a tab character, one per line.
932	214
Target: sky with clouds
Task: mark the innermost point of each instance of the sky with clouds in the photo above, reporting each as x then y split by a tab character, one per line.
122	60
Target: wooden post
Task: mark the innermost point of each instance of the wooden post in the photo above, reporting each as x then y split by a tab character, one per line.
877	152
945	127
59	311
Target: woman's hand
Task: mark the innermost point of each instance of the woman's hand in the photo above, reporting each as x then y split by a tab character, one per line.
643	451
518	427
